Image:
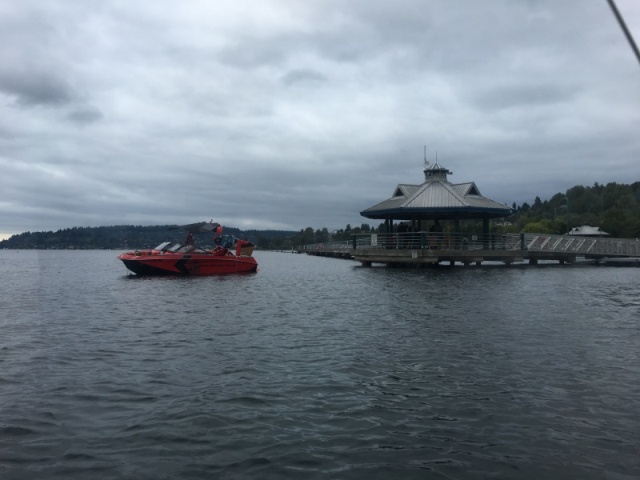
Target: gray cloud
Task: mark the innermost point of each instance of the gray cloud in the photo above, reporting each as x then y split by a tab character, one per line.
35	88
293	114
303	76
85	115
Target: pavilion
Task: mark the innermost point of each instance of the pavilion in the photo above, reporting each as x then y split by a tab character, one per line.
437	200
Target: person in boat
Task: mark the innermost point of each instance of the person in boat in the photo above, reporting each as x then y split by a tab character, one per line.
219	250
222	242
217	233
225	241
189	244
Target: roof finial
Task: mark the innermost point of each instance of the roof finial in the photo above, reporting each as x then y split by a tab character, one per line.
426	163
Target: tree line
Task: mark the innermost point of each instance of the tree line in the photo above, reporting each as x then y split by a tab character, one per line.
123	237
615	208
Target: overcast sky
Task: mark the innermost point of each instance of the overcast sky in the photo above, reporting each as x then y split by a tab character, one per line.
286	114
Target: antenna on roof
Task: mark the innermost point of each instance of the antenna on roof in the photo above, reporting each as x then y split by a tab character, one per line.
426	163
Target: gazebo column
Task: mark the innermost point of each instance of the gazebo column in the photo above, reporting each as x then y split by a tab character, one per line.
414	238
457	237
485	232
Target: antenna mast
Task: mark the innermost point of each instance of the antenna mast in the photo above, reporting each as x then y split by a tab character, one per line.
624	28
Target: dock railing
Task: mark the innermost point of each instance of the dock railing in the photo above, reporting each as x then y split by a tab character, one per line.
584	246
419	240
436	241
532	242
344	245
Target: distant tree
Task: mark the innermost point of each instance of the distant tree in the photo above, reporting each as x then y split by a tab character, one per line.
322	236
543	226
537	203
307	236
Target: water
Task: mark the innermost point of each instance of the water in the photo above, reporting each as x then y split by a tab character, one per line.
317	368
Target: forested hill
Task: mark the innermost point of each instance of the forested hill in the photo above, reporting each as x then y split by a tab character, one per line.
615	208
126	237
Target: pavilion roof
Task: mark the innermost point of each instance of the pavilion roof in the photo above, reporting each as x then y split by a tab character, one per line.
437	198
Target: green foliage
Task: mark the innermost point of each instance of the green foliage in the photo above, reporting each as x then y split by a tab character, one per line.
543	226
615	208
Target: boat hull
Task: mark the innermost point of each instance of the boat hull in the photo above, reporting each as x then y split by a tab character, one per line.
152	262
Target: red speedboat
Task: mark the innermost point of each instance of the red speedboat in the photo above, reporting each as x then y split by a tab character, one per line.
230	255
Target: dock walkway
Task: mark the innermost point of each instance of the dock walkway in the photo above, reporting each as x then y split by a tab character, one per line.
423	248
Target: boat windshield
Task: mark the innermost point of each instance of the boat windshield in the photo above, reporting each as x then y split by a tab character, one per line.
162	246
174	247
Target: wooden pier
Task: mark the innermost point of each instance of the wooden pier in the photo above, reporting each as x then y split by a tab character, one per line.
421	250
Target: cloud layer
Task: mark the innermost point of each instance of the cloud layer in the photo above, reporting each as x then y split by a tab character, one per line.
280	114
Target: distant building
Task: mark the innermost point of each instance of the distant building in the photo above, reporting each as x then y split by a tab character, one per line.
587	231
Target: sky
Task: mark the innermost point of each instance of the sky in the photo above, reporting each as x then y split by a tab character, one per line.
282	114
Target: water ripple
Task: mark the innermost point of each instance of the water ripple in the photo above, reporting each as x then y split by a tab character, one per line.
317	368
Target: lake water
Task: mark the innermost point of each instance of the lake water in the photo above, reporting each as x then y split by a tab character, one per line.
317	368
